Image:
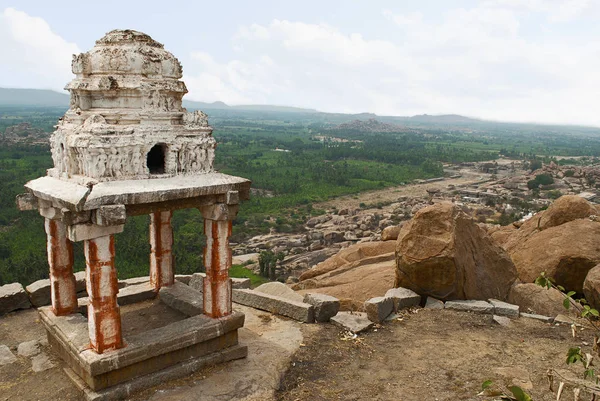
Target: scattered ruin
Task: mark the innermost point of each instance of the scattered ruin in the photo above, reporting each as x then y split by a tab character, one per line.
126	147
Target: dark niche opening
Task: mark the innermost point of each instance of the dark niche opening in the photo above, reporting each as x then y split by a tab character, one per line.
156	159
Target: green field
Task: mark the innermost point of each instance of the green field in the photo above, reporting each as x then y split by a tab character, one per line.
301	172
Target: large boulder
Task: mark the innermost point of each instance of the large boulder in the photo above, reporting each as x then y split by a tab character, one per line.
443	253
532	298
566	208
565	252
591	287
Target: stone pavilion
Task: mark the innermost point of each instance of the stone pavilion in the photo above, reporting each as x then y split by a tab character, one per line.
126	147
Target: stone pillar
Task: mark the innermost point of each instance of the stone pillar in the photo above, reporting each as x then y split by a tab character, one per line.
162	272
60	260
104	318
217	260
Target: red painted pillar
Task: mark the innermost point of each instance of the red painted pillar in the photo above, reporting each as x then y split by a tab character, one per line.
104	318
217	260
162	272
60	260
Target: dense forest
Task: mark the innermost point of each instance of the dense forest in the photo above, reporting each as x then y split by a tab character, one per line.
295	159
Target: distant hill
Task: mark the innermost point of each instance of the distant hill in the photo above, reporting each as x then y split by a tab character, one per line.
50	98
444	118
33	97
370	125
191	104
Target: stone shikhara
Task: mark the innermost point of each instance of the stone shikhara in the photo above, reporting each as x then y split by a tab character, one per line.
125	110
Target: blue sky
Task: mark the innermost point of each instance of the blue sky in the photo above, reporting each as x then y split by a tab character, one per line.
514	60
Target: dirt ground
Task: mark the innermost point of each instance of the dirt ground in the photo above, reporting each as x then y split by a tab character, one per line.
393	193
428	355
436	355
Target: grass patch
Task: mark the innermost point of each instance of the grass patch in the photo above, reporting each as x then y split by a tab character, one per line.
239	271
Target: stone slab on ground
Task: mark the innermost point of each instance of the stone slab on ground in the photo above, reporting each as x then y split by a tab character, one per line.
274	304
564	319
29	348
240	283
39	292
134	281
279	290
41	362
326	306
434	303
13	297
136	293
197	281
379	308
470	306
542	318
182	298
355	322
183	278
403	298
504	308
6	356
502	320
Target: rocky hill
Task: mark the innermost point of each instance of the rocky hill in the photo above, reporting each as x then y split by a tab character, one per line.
369	126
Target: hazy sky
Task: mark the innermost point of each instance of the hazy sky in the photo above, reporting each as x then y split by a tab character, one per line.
517	60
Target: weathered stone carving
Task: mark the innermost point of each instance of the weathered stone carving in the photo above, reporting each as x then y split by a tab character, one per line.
125	99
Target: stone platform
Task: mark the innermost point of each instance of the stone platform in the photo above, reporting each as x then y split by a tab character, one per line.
167	352
189	190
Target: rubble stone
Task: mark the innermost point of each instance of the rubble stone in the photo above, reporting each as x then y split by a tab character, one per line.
325	306
29	348
470	306
13	297
504	309
403	298
274	304
6	356
501	320
355	322
379	308
433	303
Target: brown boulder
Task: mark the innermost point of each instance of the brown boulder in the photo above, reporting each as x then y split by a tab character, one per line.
443	253
591	287
566	253
391	232
349	255
566	208
532	298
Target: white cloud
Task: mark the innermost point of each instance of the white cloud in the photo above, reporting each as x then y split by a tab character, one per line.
476	61
31	48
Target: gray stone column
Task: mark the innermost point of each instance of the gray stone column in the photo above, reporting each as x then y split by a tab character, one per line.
60	260
162	272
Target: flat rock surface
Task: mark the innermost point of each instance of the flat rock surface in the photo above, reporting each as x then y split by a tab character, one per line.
470	306
356	322
279	290
6	356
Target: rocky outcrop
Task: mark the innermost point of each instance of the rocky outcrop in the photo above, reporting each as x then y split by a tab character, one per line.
565	209
352	254
565	252
591	287
443	253
532	298
353	275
